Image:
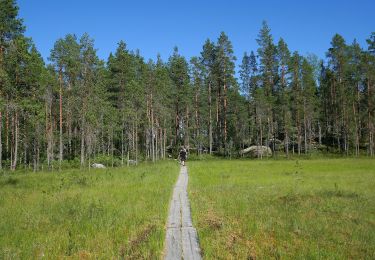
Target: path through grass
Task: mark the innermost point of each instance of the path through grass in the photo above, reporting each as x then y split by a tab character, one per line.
102	214
310	209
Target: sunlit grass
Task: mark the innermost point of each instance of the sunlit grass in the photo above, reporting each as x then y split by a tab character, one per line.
309	209
105	214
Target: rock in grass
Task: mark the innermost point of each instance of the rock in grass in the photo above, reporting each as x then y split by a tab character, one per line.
255	151
132	162
97	165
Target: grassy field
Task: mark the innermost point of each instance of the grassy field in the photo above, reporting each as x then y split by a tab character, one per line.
309	209
101	214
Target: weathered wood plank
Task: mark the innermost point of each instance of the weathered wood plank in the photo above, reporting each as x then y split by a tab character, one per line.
181	236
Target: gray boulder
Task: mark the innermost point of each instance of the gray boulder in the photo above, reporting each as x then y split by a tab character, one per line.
132	162
255	151
97	166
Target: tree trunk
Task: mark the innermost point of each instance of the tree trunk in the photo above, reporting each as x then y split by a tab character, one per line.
1	141
177	122
136	139
298	133
83	144
210	117
225	119
152	139
61	121
370	124
261	138
286	143
25	153
320	133
197	120
165	142
7	131
122	145
15	143
34	158
112	147
161	143
187	137
305	125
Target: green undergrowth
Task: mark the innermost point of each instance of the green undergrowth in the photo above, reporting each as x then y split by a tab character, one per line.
305	209
111	213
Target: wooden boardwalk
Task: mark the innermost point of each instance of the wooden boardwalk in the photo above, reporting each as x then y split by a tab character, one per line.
181	237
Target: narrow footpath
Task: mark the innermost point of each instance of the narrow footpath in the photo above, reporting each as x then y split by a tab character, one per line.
181	240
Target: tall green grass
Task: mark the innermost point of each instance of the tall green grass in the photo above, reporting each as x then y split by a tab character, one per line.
101	214
306	209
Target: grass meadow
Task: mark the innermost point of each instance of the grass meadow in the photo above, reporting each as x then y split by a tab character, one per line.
114	213
270	209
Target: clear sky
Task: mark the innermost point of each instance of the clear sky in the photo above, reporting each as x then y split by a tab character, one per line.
157	26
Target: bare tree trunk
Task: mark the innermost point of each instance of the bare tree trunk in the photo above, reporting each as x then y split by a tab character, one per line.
177	122
61	121
370	123
15	143
187	137
109	142
161	143
34	158
305	125
7	131
197	138
269	131
261	138
24	153
127	162
218	120
83	144
49	136
1	141
152	130
225	118
156	143
286	143
320	133
210	117
11	141
37	156
102	134
136	139
356	138
133	138
122	145
165	142
89	146
298	133
112	147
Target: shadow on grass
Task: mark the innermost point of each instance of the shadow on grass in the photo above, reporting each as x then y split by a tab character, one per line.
9	181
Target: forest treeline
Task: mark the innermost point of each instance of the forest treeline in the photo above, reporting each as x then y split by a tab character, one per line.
77	107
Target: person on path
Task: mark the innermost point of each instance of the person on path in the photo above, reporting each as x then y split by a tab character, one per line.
183	155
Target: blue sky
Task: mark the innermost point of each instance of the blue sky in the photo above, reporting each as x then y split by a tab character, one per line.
157	26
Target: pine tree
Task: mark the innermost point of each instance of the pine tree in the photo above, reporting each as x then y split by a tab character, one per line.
369	71
208	62
283	93
225	78
178	69
268	69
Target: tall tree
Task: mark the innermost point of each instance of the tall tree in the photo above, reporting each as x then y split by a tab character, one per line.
225	64
208	61
268	69
178	68
283	93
